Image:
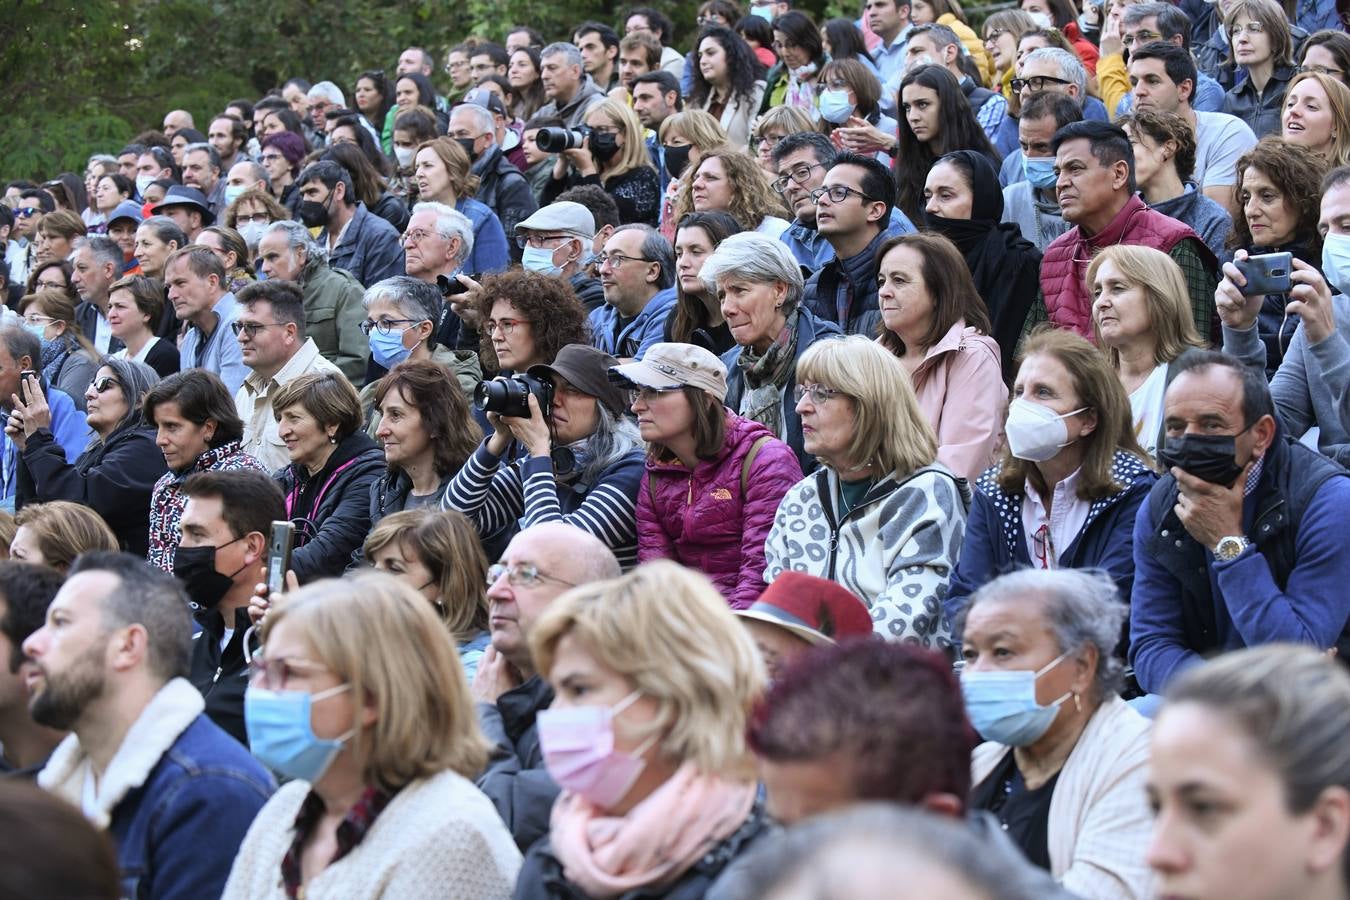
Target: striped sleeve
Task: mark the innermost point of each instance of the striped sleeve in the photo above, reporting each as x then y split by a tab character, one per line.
485	491
609	510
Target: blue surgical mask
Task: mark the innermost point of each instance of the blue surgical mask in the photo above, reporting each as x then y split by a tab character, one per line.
38	331
834	106
232	192
539	259
388	349
764	12
1002	705
280	734
1040	171
1336	261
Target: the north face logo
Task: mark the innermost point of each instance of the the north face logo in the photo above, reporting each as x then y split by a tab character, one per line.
721	494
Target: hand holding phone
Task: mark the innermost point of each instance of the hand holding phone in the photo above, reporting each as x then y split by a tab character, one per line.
1266	273
279	547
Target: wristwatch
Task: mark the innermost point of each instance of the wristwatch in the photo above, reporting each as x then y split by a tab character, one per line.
1230	547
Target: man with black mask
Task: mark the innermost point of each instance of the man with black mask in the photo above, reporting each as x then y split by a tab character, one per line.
1241	542
221	558
356	240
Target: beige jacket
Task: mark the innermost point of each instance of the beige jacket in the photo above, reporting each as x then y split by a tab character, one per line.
253	401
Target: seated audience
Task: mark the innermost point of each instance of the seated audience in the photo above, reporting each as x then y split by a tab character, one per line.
1317	115
637	274
54	534
697	317
1262	48
135	308
728	179
798	612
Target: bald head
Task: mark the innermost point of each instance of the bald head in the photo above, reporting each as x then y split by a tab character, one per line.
579	553
176	120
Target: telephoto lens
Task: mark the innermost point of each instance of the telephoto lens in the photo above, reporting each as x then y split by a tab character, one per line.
556	140
509	395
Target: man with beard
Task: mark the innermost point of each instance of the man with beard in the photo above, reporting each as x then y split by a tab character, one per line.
25	592
174	792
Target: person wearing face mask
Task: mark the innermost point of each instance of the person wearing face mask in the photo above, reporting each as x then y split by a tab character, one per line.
1240	543
68	359
614	156
357	240
501	186
1072	476
554	240
250	214
357	697
1029	200
1065	759
221	555
849	104
654	680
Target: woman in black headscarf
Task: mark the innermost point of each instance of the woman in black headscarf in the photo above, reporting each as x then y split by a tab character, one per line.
963	201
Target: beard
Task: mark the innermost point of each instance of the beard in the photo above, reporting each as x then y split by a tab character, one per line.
64	697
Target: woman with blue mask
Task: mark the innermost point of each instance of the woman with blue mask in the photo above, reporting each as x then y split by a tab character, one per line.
68	361
1065	759
358	699
851	98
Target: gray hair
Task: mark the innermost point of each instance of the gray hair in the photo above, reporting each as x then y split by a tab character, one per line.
1081	607
482	118
450	223
256	172
656	248
614	438
147	597
415	299
104	158
755	257
563	48
202	147
134	379
298	238
328	91
1070	67
20	342
942	36
104	251
1171	20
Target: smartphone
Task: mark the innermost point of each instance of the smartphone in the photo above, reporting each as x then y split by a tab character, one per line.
279	555
23	383
1267	273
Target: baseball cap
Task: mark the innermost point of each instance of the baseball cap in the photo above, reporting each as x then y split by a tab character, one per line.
585	368
564	216
814	609
666	366
127	209
487	99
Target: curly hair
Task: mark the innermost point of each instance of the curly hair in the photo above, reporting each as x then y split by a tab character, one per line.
752	196
959	130
429	388
1297	174
1161	127
743	69
549	304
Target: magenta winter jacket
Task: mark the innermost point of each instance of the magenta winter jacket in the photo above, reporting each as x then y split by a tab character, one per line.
700	518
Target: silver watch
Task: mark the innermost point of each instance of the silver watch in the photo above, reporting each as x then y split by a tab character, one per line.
1230	547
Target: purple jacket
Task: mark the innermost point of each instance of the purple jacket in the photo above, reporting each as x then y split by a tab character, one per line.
701	519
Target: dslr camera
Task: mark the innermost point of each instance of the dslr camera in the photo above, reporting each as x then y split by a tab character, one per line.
556	140
509	395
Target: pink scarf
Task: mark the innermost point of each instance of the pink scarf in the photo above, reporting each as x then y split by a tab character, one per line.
656	842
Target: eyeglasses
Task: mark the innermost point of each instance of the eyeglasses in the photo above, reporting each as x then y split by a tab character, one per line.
1037	83
1142	36
384	326
1044	547
838	193
250	329
837	84
35	319
799	174
1321	70
271	157
818	393
615	260
521	575
541	241
1250	28
605	129
994	34
648	394
418	235
274	674
49	285
505	326
26	212
261	218
105	383
704	20
772	140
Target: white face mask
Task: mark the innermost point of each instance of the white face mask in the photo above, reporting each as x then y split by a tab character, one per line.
1336	261
1041	19
1036	433
404	155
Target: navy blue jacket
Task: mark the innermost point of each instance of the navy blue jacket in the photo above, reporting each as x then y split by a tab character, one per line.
371	249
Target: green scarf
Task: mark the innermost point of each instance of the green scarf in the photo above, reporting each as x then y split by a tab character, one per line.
766	377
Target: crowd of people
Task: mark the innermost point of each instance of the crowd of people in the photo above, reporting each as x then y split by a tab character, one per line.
884	457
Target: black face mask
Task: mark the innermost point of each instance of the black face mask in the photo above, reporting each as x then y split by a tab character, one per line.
467	145
676	159
1209	457
604	146
313	213
196	568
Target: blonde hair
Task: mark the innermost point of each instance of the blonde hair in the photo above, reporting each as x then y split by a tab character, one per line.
64	530
382	637
633	154
889	431
1166	299
752	195
696	127
669	632
447	544
791	119
1338	98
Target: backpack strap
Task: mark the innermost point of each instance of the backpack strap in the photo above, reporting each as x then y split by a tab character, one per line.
750	460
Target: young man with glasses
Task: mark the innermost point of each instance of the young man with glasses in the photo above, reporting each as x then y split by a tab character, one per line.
1140	24
539	564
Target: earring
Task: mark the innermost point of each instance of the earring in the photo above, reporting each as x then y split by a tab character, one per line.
1077	703
332	439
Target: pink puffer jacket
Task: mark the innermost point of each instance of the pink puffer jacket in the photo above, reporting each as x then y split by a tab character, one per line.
701	519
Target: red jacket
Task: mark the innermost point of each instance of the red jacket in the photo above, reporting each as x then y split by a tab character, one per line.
701	518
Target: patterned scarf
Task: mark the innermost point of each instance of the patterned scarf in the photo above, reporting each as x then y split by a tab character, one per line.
766	377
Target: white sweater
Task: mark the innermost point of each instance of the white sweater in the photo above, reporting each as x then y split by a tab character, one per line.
439	837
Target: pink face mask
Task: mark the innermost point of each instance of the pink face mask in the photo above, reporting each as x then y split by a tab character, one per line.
578	748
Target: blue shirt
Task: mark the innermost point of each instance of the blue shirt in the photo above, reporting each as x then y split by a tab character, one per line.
890	60
490	251
68	428
632	340
218	353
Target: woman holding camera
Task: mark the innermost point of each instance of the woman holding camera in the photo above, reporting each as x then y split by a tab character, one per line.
561	450
613	155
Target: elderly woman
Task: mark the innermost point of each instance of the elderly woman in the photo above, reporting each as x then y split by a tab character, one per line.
685	137
437	553
1064	765
774	125
1259	734
441	171
1072	476
713	479
68	359
1316	114
935	323
654	676
697	318
427	434
963	202
580	464
1141	316
731	181
333	465
880	515
1262	49
135	305
760	287
115	475
614	156
53	534
362	671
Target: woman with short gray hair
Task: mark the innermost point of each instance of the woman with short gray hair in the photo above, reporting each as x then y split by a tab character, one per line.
759	285
1065	761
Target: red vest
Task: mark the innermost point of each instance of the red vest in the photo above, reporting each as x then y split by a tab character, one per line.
1064	265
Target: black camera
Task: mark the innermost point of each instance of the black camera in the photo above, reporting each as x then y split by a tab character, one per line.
509	396
453	287
556	140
